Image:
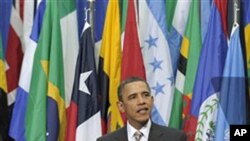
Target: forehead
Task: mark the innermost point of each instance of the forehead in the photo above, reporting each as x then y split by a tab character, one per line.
135	87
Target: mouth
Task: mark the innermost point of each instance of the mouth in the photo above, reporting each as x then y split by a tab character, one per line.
142	110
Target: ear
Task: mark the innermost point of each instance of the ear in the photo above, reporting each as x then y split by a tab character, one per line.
120	106
152	98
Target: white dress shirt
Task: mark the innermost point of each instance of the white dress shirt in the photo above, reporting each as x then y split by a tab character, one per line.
144	130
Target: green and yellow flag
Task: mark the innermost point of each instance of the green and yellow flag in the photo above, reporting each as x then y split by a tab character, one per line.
189	57
46	115
3	97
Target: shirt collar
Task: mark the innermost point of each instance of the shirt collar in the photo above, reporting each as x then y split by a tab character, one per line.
144	130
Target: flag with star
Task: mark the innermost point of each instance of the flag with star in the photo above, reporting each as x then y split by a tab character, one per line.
84	118
156	56
45	115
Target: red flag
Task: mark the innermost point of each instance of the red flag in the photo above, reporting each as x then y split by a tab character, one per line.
14	53
132	61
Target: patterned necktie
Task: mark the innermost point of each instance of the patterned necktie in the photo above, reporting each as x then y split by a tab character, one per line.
138	135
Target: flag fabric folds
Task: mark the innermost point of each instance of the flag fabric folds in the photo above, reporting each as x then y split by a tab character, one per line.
156	56
45	115
70	45
201	121
189	57
100	12
84	119
61	62
14	52
205	13
110	68
246	23
5	11
4	114
17	125
177	29
132	61
233	90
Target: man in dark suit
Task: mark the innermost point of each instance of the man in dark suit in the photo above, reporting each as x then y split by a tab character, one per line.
136	101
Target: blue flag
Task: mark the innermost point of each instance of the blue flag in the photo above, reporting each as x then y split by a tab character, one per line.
211	64
232	98
17	125
5	10
157	58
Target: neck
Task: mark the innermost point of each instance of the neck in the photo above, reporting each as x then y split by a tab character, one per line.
138	125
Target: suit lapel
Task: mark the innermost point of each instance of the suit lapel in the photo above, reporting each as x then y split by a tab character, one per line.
122	135
155	133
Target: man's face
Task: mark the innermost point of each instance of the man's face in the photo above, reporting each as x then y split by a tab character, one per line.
137	103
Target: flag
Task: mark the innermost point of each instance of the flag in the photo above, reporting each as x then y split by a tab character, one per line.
205	13
232	97
211	63
84	119
81	7
14	52
190	51
170	8
110	68
132	61
246	23
17	124
4	114
245	6
70	45
45	116
100	12
177	30
123	9
156	56
5	10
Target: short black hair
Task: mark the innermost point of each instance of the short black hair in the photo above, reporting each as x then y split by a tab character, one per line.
127	81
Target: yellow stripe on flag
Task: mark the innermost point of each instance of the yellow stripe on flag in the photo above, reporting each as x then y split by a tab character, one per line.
247	43
54	93
185	47
111	53
3	83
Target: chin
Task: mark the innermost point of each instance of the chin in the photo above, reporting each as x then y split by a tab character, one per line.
143	119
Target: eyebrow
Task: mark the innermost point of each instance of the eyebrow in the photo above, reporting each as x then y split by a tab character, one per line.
139	93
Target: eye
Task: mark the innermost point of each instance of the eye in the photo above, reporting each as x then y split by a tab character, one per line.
146	94
131	97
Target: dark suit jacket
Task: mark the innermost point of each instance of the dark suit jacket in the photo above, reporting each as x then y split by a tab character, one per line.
156	133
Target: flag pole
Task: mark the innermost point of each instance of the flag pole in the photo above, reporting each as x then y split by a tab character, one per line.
91	5
236	12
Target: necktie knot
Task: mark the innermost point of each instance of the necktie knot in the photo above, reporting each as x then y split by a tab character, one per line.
138	135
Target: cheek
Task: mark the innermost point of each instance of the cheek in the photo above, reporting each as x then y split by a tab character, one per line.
129	107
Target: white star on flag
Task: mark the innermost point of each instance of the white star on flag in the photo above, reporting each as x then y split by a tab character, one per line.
82	85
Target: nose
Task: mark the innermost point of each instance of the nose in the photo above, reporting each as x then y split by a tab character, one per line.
140	99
